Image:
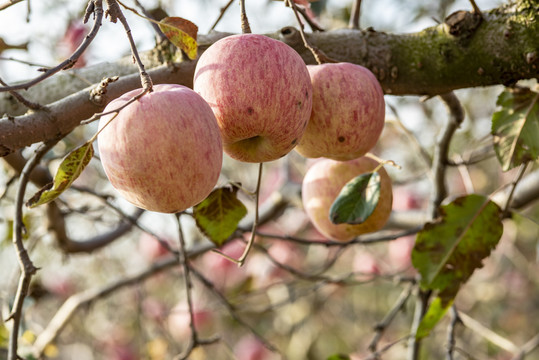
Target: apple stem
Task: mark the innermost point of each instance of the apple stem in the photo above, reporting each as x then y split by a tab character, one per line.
318	54
354	18
245	28
383	162
251	241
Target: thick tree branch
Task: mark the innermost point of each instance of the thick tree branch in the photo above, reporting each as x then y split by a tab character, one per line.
501	50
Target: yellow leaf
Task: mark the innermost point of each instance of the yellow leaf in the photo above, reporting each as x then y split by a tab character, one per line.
182	33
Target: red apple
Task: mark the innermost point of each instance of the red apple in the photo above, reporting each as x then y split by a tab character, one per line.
163	152
260	91
250	348
321	186
151	249
365	265
348	112
179	320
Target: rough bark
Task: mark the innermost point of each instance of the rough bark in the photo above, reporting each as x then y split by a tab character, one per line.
467	50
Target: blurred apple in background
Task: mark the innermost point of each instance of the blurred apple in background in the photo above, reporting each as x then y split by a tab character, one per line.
365	265
179	320
250	348
151	249
222	272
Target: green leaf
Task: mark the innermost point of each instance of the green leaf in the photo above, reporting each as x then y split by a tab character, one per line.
434	314
218	215
182	33
68	171
357	200
4	335
448	251
338	357
515	127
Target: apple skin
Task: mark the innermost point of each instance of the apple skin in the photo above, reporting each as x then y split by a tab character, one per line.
163	152
260	92
321	186
348	112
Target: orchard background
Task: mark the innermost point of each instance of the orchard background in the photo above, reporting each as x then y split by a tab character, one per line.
84	276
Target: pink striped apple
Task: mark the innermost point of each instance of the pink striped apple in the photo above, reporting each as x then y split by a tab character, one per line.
348	112
260	91
163	152
321	186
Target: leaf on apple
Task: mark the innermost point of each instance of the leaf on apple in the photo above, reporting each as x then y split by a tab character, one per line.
357	200
219	214
69	170
182	33
515	127
448	251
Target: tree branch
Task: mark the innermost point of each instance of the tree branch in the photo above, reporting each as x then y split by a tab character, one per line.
432	61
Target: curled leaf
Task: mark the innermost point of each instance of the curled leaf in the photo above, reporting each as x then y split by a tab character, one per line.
515	127
182	33
69	170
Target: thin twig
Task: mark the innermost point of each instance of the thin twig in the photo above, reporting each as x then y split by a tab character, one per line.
77	301
475	8
241	260
380	327
530	346
221	14
232	310
439	162
355	16
243	257
514	184
27	267
376	355
8	4
363	239
115	13
414	141
313	24
154	25
421	305
29	104
451	342
488	334
182	258
97	10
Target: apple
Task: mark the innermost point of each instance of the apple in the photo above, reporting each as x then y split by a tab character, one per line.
151	249
260	92
250	348
321	186
348	112
399	253
223	273
365	265
179	320
164	151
